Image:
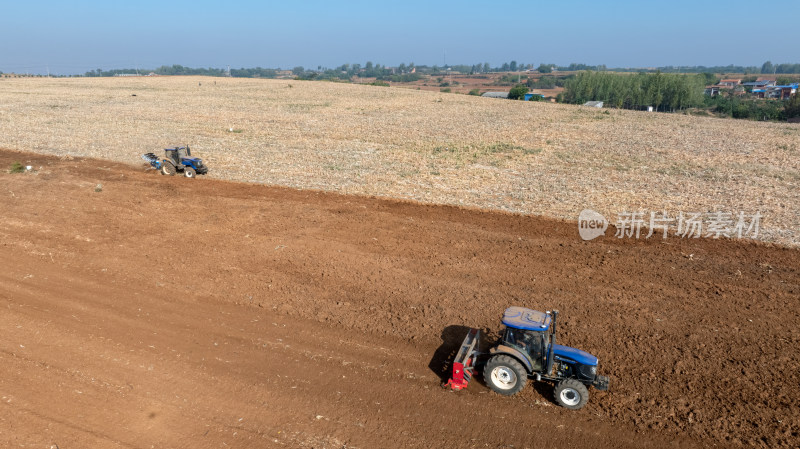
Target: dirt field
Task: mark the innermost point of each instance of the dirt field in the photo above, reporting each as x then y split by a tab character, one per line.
167	312
533	158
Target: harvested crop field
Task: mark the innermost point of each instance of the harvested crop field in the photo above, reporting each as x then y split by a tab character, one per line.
148	311
532	158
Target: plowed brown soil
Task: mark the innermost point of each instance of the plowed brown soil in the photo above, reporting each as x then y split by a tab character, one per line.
157	311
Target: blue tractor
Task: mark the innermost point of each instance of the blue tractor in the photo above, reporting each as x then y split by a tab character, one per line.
178	159
526	350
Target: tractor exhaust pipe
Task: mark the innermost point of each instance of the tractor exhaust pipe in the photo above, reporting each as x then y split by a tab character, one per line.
552	343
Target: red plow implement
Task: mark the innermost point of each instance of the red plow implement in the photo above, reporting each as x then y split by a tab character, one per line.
464	362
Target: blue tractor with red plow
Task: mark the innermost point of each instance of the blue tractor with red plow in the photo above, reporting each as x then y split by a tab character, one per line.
177	159
526	350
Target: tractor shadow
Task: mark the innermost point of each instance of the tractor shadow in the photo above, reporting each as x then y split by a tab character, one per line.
442	361
545	389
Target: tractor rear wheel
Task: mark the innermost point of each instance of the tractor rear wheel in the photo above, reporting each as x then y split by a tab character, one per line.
505	375
168	169
189	172
572	394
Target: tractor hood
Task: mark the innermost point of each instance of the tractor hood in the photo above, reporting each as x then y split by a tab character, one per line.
582	357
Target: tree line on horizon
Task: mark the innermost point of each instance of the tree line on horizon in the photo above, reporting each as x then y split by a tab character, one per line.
411	72
382	72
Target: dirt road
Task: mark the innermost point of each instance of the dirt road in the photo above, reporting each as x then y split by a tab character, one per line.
145	311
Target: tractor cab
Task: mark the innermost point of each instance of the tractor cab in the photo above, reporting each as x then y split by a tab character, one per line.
173	155
528	331
179	155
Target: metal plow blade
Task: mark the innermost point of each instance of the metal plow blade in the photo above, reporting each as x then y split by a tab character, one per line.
150	157
464	362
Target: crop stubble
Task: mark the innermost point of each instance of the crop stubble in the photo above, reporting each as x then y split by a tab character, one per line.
531	158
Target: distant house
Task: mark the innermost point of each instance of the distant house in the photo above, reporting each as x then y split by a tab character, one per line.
767	81
729	83
760	85
495	94
594	104
733	84
780	92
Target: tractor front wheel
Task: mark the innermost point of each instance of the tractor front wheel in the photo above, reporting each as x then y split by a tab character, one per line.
189	172
505	375
572	394
168	169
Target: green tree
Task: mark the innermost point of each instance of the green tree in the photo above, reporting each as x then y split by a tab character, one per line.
545	82
784	80
298	70
767	67
544	68
518	92
792	107
665	92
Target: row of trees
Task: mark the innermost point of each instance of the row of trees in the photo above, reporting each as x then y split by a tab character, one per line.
257	72
370	70
402	73
342	72
163	70
669	92
664	92
747	107
768	67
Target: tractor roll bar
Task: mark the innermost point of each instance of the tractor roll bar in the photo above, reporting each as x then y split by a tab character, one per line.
552	344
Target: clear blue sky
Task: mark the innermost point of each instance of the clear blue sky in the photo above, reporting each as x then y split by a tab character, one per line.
76	36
